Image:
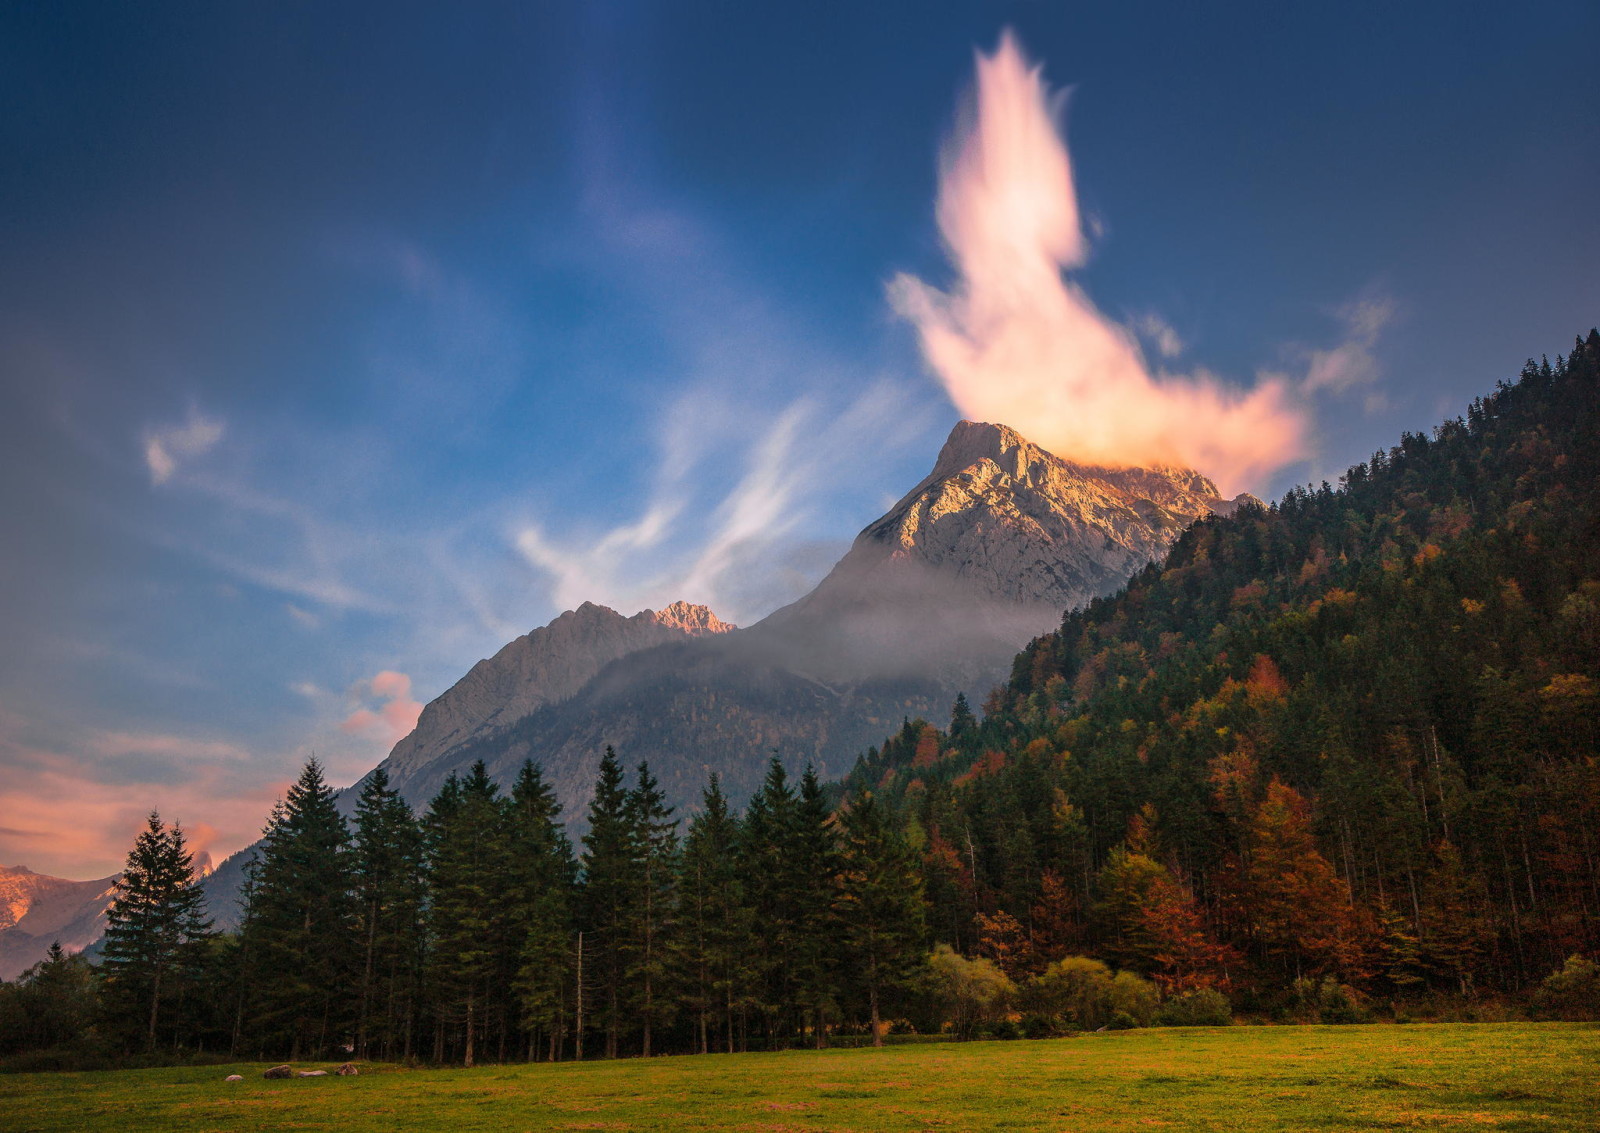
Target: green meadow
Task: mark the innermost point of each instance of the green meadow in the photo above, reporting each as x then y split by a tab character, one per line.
1512	1076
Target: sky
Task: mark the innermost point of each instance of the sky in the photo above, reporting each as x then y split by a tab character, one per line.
342	343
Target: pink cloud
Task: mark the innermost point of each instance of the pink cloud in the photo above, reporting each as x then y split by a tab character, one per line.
390	720
1017	342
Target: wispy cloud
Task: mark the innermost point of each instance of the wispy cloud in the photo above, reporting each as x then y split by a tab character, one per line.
1350	365
168	446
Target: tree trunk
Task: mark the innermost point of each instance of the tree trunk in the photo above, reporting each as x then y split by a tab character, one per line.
155	1005
471	1005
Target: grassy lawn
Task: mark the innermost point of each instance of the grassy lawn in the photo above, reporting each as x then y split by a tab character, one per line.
1514	1076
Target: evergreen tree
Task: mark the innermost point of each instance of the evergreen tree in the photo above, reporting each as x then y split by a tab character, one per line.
544	878
881	905
387	867
156	929
469	882
714	919
300	928
774	883
649	948
610	887
816	866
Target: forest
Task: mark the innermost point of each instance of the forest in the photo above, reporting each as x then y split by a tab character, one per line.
1334	759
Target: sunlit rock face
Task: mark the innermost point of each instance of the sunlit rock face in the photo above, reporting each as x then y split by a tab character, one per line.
1028	527
36	910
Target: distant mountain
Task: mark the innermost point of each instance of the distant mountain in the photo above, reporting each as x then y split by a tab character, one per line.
932	599
36	910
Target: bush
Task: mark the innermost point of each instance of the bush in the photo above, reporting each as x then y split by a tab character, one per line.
1206	1007
971	994
1078	993
1571	992
1328	1001
1134	1000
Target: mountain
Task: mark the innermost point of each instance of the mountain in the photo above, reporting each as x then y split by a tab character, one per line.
539	668
932	599
36	910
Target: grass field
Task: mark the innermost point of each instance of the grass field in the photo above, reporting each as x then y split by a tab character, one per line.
1514	1076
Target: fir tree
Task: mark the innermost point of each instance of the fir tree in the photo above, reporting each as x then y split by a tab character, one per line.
300	922
881	905
544	876
387	867
655	843
714	919
610	885
155	929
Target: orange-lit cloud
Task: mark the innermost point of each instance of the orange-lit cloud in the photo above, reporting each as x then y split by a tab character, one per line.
392	719
1015	341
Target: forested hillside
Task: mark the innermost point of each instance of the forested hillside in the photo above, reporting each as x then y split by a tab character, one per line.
1352	734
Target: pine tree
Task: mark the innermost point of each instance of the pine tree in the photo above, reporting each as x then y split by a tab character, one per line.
299	928
469	868
610	886
714	919
655	843
774	883
816	864
544	876
881	905
387	867
962	720
156	929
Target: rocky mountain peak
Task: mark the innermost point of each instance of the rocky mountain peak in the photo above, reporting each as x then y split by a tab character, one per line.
1023	525
690	618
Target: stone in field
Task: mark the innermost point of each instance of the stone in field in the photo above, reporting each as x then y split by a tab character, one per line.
278	1072
311	1074
348	1070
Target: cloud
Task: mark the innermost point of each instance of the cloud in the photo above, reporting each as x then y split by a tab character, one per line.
1350	365
1159	333
732	554
165	446
393	717
1015	341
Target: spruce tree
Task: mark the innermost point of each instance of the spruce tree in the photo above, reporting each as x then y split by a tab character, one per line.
714	921
816	862
881	905
300	926
775	885
655	843
156	929
610	885
387	867
544	876
469	883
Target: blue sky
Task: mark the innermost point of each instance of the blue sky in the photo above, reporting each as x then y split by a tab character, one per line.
341	343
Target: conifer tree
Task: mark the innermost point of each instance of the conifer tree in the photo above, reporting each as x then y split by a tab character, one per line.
774	884
469	873
816	865
881	905
544	876
714	920
387	868
655	842
610	885
299	926
156	929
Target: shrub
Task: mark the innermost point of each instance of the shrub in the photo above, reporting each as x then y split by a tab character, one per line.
1078	993
970	993
1570	992
1206	1007
1328	1001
